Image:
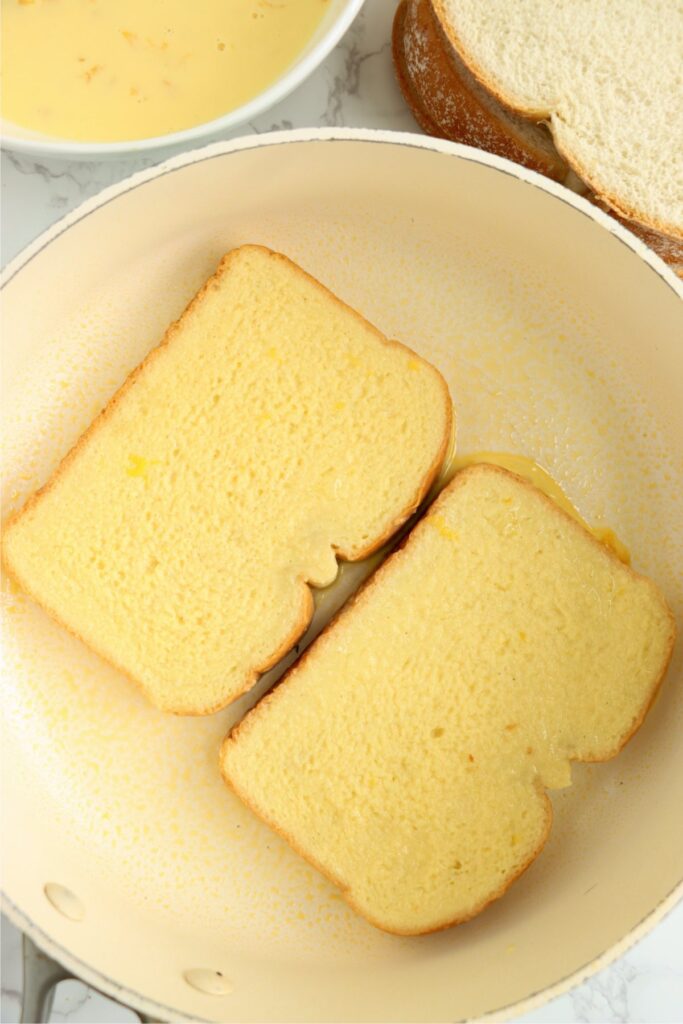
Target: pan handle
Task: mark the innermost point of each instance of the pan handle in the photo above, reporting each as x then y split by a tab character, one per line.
42	974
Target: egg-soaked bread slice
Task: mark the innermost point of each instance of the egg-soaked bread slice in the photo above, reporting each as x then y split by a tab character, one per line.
272	430
408	752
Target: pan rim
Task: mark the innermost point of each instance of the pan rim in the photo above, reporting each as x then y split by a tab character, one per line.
122	994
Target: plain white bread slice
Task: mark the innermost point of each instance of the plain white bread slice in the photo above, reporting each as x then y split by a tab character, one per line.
447	100
408	751
607	75
273	430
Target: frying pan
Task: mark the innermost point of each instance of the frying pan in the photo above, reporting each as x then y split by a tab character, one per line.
560	335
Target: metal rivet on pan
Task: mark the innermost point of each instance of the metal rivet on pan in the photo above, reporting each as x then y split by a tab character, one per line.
211	983
64	901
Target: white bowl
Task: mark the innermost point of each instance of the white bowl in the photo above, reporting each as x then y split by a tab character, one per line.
335	23
559	334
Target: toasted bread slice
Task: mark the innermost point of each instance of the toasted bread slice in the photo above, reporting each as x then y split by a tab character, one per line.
256	444
408	752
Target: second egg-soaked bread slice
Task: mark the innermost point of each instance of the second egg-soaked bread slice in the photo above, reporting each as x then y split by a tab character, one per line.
407	754
272	430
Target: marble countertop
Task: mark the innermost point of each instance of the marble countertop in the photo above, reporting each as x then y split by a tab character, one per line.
355	86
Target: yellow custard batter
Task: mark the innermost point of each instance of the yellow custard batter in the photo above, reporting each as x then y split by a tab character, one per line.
107	70
531	471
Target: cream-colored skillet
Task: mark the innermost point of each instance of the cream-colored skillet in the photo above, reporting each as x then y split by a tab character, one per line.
561	337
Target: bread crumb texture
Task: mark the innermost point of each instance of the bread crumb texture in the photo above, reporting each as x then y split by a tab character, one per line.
260	440
609	77
407	754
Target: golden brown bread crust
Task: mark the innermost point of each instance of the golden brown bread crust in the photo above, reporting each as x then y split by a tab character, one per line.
613	202
447	101
409	91
357	600
307	605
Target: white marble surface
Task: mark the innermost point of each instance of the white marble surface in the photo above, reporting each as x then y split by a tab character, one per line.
355	86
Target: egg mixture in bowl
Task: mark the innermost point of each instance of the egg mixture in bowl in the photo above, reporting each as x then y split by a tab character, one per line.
114	75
